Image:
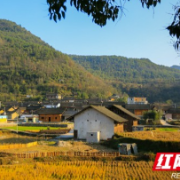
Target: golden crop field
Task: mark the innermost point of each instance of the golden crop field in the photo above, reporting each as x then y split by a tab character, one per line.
83	170
153	135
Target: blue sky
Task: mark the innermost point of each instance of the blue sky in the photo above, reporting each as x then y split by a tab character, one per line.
139	33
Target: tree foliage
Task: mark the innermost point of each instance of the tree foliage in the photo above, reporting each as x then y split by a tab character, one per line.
123	98
100	10
153	115
174	27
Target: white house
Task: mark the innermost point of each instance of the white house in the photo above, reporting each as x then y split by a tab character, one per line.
96	119
52	105
137	100
30	118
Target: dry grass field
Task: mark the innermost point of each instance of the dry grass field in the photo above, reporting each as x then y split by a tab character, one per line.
7	137
61	168
153	135
46	145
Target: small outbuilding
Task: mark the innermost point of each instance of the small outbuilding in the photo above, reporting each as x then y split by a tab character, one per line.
127	148
93	137
138	128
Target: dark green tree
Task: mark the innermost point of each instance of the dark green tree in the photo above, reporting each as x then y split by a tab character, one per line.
153	115
174	28
100	10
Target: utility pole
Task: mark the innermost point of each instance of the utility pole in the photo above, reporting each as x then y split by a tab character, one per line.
17	124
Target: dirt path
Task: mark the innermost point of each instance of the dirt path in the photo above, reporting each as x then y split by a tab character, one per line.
165	123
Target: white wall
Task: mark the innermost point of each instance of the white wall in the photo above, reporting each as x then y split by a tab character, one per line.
168	116
130	100
91	120
52	105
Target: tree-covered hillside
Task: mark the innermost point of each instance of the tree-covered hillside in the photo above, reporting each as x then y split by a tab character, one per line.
30	66
175	67
136	77
126	69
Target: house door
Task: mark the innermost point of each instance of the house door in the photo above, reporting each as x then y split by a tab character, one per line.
75	134
49	119
125	127
30	120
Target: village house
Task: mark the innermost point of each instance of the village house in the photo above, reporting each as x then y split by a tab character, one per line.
114	97
96	119
109	103
51	114
132	119
3	118
70	111
53	96
173	113
137	100
32	108
138	109
51	104
29	118
13	113
164	108
2	111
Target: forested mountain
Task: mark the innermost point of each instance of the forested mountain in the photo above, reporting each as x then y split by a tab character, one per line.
126	69
30	66
136	77
175	67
